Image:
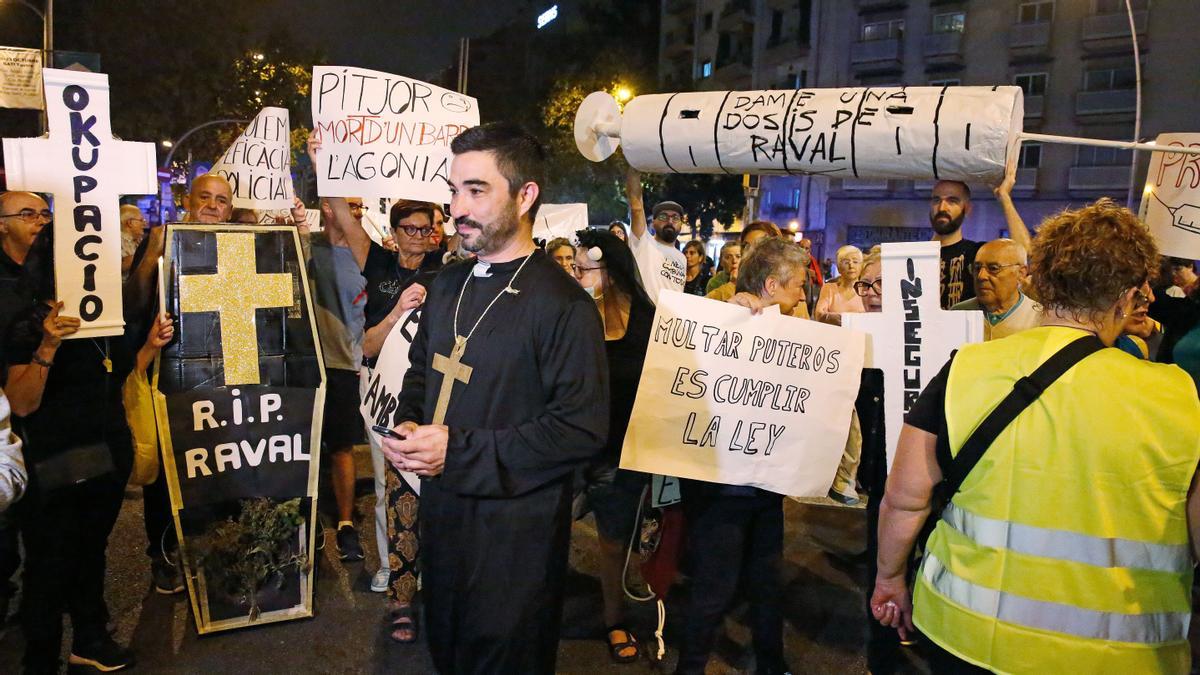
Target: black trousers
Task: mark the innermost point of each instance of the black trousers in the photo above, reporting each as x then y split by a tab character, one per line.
156	507
66	535
10	554
730	539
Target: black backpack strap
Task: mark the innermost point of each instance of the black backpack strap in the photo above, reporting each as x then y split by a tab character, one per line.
1024	392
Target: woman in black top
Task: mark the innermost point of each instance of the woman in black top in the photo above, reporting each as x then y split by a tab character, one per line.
67	407
605	267
698	273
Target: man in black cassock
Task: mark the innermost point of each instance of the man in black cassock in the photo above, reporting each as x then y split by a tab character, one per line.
507	395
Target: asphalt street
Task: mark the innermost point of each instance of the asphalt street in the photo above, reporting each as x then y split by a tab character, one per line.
824	632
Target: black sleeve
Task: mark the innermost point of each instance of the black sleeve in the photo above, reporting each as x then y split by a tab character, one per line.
378	260
23	336
571	431
929	411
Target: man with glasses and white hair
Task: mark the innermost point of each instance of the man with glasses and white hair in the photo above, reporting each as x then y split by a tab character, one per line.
22	217
998	269
660	264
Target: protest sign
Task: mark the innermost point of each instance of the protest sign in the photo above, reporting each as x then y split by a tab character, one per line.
258	164
385	135
729	397
912	337
239	399
915	133
560	220
1171	200
20	78
87	171
387	377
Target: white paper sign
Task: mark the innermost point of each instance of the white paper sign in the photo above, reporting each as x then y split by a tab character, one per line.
912	338
86	170
732	398
20	78
560	220
921	133
385	135
385	380
258	165
1171	200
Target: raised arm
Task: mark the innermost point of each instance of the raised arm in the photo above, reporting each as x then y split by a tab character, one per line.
1016	227
343	221
637	207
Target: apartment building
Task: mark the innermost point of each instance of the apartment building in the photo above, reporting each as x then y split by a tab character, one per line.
1074	59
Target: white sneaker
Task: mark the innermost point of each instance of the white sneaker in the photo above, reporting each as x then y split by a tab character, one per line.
379	582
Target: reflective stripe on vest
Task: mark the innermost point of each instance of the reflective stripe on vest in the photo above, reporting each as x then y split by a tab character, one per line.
1064	545
1150	628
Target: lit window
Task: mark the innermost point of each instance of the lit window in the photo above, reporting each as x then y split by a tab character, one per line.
706	69
950	22
883	30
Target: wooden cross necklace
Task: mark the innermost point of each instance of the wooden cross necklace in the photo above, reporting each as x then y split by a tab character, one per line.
452	368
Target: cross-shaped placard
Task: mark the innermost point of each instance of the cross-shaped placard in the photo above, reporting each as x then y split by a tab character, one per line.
87	171
452	370
235	292
912	338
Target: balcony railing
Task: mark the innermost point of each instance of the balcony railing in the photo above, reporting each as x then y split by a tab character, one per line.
1105	102
1110	26
1026	180
1088	178
1029	36
874	54
1034	105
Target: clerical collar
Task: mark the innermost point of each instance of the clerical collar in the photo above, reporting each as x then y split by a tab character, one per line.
994	319
486	269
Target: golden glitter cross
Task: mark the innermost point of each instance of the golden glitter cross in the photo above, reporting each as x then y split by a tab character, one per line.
235	292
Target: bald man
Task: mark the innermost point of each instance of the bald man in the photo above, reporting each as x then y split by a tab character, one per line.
210	200
998	269
22	217
133	230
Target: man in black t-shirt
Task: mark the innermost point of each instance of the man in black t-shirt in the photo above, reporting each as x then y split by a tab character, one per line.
949	205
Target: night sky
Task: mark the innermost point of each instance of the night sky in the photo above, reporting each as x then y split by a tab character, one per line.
410	37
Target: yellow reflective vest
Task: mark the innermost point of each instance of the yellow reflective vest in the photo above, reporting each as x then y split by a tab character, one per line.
1066	549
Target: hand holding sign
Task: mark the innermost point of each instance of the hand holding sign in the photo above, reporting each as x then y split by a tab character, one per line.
56	327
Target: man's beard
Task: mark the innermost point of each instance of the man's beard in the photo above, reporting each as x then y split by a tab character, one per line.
494	236
950	226
668	234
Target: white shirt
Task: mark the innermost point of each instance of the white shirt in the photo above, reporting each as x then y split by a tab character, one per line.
12	462
661	266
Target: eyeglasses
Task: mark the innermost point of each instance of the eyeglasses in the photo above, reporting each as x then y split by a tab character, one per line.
992	268
664	218
415	231
864	287
30	215
355	206
1140	299
578	271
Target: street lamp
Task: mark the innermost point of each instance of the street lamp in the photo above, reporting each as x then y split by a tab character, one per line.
47	18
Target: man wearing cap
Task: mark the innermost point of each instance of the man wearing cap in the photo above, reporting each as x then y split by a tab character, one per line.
660	264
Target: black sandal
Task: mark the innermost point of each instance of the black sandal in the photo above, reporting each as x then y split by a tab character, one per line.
615	648
403	620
